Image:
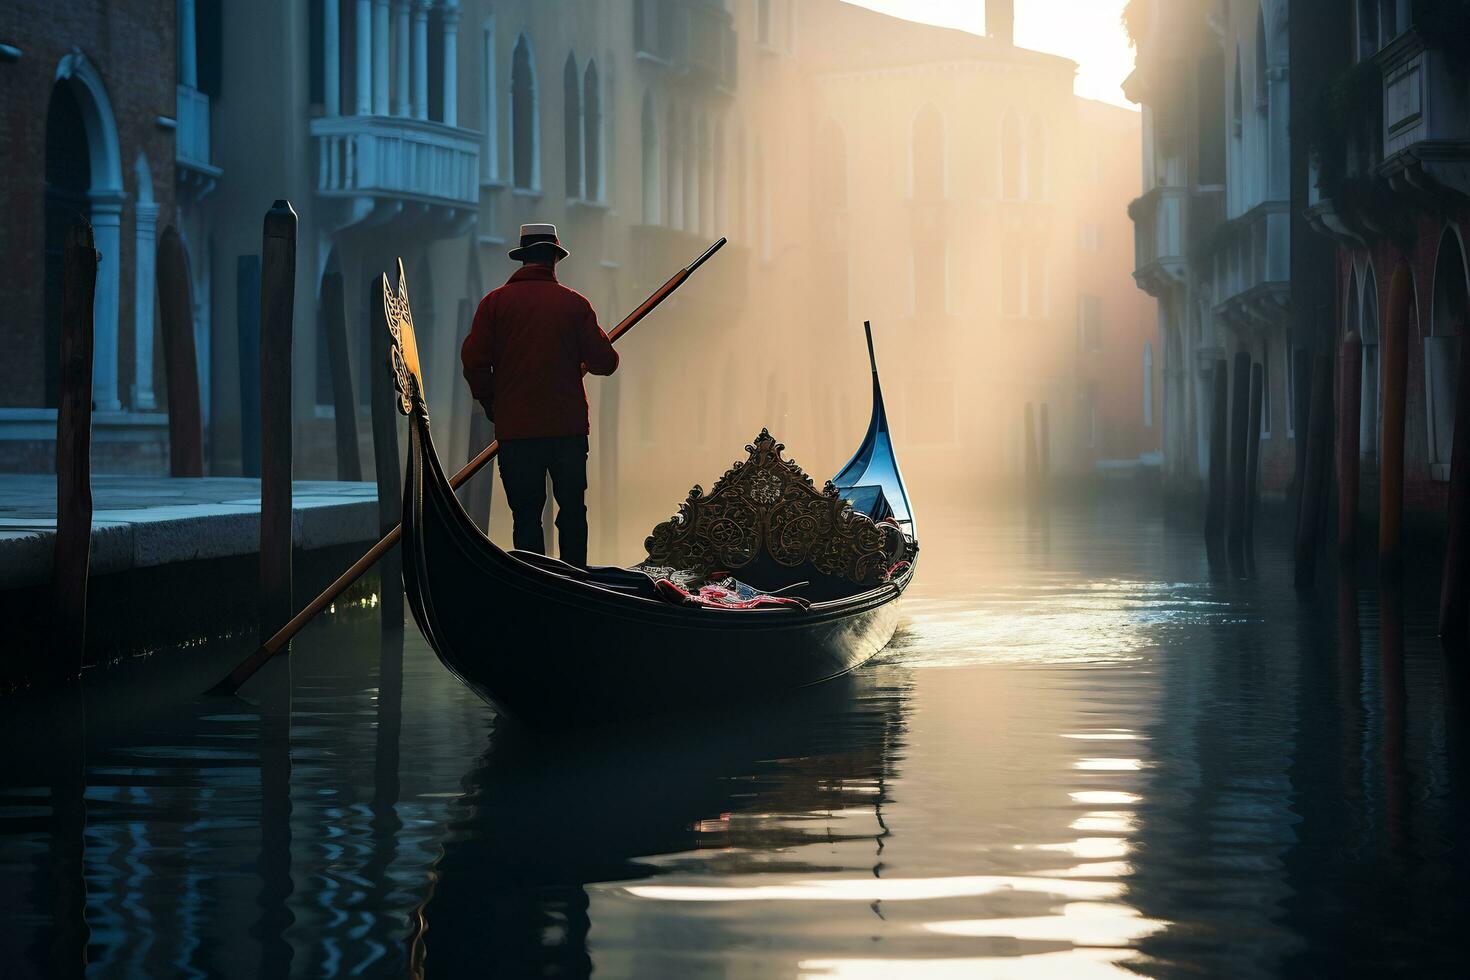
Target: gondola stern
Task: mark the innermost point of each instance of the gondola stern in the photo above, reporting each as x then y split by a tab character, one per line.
875	464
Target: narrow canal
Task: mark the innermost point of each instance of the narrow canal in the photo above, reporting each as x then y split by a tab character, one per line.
1085	755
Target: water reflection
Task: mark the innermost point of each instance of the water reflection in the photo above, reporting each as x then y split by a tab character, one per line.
1084	757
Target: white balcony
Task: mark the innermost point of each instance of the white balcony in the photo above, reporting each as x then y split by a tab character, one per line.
380	165
1251	259
1159	260
191	139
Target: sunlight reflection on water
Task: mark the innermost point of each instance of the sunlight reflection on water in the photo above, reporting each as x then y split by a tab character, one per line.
1082	757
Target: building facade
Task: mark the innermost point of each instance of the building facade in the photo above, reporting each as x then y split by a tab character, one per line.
943	185
1280	238
1391	192
89	118
1221	236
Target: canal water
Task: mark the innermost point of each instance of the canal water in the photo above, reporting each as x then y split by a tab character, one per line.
1087	754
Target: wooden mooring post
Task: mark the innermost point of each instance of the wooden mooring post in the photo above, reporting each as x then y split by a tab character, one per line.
344	407
277	304
1253	452
386	466
1043	449
1032	463
73	550
1454	595
247	326
1349	403
1239	453
1215	502
1395	368
1315	481
180	365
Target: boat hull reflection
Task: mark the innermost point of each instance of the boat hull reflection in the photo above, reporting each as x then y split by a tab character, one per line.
542	816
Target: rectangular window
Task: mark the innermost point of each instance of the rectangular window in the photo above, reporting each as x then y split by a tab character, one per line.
1089	323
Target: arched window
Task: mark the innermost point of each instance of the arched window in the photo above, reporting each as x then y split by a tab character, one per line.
83	175
674	171
525	133
1263	91
690	153
592	133
742	218
490	156
720	205
652	193
830	171
1369	403
68	175
926	175
699	216
571	82
1036	159
1237	137
1148	384
1442	348
1011	156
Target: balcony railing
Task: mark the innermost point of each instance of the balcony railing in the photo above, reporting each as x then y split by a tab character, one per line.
397	157
1251	259
1159	259
191	138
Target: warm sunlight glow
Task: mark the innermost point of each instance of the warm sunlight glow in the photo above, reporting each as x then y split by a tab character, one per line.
1089	32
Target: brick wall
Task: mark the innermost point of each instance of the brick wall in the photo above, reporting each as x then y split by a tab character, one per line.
131	43
1422	492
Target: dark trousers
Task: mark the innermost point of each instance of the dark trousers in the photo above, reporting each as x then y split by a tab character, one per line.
524	465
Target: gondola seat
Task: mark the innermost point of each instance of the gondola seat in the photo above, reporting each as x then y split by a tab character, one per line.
766	522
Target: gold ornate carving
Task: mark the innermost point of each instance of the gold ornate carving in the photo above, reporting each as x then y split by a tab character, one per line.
767	503
404	351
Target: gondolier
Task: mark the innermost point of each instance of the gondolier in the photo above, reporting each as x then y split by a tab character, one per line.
530	342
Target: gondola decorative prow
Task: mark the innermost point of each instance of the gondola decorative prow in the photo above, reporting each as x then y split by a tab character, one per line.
404	351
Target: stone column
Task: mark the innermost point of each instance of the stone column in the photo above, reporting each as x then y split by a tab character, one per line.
380	57
331	56
363	97
451	63
144	290
107	230
188	55
421	59
401	104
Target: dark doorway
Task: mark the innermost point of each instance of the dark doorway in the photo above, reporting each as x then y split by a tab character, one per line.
68	175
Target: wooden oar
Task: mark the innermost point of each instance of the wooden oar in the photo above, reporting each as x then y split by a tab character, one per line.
276	643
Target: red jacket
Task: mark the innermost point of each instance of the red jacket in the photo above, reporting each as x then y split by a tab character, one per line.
525	354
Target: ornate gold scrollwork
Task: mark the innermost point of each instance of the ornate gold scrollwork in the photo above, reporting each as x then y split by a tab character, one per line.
404	350
769	503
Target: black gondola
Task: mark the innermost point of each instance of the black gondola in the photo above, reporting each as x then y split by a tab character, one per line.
555	646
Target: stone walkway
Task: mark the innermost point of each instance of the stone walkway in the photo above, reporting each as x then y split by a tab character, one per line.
144	521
